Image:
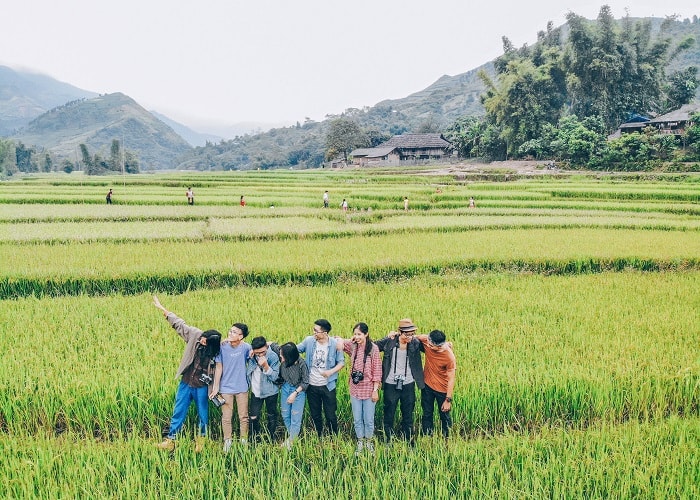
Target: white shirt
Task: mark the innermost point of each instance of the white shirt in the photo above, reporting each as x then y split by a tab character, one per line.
318	364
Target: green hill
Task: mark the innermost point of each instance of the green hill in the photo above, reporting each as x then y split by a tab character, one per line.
96	122
435	107
24	96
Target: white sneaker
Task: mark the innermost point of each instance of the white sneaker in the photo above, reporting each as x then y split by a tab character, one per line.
369	446
360	446
227	445
287	444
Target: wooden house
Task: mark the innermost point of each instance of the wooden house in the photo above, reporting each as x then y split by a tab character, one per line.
406	148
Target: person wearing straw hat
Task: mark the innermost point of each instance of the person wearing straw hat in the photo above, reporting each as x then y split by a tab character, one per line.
402	372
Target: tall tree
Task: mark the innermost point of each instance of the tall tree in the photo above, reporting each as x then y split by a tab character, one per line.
343	136
115	160
8	157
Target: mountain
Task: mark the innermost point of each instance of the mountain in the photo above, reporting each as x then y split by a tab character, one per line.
96	122
442	102
24	96
192	137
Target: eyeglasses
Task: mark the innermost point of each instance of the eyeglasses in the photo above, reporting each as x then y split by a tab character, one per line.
433	344
318	330
260	353
407	334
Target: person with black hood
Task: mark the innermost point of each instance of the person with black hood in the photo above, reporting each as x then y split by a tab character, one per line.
195	370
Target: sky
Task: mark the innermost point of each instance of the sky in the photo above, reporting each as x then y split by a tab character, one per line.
276	61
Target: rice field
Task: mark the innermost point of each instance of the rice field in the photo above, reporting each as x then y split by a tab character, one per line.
573	305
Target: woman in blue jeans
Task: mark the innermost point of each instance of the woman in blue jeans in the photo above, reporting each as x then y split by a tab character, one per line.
295	374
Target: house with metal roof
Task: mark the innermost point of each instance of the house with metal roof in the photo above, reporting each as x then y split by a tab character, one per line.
404	148
674	122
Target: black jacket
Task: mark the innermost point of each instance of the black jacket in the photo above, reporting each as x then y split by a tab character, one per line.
414	361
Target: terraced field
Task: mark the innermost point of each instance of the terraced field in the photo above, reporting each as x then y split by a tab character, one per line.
573	303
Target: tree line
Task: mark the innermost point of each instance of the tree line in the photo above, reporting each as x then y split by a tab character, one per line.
17	157
562	98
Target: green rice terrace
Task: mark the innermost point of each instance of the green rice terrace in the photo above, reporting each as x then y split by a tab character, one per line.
572	303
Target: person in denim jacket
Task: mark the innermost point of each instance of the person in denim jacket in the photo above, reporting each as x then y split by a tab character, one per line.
262	370
324	361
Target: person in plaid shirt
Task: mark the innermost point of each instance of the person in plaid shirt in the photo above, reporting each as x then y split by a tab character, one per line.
365	379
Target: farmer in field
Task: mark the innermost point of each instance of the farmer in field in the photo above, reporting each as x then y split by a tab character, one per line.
231	381
324	361
195	371
439	372
190	196
109	197
402	371
262	370
325	199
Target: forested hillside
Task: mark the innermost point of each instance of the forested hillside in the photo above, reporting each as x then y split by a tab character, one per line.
97	122
632	66
24	96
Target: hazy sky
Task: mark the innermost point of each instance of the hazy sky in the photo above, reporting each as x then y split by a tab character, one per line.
227	61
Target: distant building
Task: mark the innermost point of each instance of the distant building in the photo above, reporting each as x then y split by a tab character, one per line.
674	122
406	148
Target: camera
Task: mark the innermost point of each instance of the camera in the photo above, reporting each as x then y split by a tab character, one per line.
205	379
357	377
399	381
218	400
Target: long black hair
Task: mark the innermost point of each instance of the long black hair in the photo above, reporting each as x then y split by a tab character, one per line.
368	341
211	350
290	353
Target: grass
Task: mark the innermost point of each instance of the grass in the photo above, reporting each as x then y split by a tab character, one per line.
571	301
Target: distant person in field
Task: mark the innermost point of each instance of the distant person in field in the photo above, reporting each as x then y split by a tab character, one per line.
231	381
294	375
405	203
344	205
262	370
324	361
242	201
472	204
439	374
326	199
402	372
195	372
109	197
190	196
364	380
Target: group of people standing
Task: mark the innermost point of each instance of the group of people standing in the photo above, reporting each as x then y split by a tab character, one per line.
278	377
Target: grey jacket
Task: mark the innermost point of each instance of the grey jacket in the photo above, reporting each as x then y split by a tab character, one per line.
191	335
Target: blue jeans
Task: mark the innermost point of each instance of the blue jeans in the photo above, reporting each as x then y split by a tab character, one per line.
184	396
292	413
363	417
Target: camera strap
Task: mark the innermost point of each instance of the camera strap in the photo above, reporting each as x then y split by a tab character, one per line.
355	357
396	355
